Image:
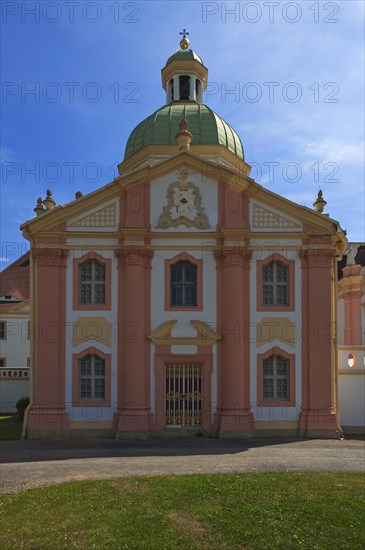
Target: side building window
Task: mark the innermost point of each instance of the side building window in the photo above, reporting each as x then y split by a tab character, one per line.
183	284
92	283
92	377
275	378
2	330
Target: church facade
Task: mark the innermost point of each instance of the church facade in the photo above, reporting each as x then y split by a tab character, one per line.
206	303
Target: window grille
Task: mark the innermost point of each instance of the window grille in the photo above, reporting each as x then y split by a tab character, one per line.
183	395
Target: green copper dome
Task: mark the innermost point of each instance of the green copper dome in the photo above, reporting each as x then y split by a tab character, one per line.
161	127
184	55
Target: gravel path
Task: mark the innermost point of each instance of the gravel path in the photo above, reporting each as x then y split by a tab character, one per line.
28	464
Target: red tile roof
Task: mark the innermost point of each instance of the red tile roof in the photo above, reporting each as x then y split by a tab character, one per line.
14	280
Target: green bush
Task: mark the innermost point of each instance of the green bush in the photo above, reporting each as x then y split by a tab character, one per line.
21	405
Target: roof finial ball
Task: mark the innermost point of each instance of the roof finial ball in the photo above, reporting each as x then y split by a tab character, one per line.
320	203
39	209
49	201
184	42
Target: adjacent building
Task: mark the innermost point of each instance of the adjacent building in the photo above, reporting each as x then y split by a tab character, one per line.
14	333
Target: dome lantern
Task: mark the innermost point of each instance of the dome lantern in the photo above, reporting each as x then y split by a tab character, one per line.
184	77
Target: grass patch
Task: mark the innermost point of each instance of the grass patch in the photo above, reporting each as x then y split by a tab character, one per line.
10	427
247	511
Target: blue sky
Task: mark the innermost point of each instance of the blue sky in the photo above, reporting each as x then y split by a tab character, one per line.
288	76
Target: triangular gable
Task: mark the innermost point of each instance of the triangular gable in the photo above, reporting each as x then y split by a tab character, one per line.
223	175
76	209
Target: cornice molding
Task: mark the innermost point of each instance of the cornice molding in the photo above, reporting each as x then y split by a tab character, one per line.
50	257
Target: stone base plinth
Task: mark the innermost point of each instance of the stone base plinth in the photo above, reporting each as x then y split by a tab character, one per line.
319	423
46	423
132	423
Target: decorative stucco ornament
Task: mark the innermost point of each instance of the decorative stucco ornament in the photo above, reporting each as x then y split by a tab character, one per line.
184	205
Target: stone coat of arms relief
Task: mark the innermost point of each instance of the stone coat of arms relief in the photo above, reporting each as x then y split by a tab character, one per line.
184	205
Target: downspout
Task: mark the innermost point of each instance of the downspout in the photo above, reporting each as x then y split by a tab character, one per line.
32	328
335	359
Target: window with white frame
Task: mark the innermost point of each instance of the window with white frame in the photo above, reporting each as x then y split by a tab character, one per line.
92	377
276	378
92	283
275	284
183	281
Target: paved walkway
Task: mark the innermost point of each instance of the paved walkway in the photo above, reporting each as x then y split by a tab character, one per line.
27	464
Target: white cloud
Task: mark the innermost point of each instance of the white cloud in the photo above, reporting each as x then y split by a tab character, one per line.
332	148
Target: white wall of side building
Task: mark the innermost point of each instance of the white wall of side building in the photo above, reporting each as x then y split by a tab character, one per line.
15	349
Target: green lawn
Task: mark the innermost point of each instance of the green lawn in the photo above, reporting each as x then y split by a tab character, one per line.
10	427
248	511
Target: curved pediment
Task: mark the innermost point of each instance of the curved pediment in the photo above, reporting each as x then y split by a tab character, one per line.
205	335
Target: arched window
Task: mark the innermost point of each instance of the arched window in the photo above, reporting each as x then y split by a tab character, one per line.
275	284
183	284
184	82
171	90
92	283
197	89
275	378
92	377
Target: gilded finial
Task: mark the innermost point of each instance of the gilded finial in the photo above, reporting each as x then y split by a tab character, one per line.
320	203
184	42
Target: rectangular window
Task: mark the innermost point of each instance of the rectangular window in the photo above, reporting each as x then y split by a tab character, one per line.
92	377
183	281
275	284
2	330
2	362
275	378
92	283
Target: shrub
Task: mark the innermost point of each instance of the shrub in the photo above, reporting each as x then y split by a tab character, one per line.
21	405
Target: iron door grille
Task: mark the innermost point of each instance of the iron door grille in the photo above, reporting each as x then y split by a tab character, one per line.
183	394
